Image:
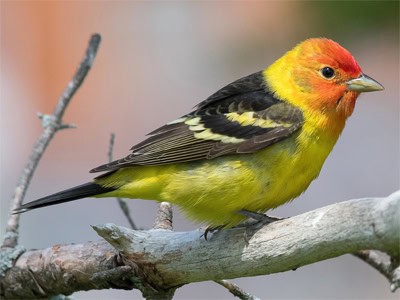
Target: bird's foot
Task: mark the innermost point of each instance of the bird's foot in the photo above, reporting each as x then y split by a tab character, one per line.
211	229
258	217
254	222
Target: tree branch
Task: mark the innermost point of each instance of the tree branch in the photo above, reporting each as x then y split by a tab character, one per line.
384	264
51	124
164	217
122	203
235	290
284	245
163	260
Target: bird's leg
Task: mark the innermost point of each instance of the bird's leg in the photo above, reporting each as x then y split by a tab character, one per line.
254	221
211	229
259	217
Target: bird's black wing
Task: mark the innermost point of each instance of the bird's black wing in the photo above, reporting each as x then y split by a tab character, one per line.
242	117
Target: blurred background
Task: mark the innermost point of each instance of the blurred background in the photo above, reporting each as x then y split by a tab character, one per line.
156	61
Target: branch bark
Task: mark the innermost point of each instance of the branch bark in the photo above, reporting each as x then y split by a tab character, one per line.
164	217
163	260
384	264
236	290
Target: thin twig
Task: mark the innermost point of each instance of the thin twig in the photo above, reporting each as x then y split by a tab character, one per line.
122	203
51	124
235	290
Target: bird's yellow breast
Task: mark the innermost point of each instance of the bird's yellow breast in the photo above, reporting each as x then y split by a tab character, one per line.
213	191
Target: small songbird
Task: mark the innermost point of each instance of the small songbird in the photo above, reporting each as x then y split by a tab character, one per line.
251	146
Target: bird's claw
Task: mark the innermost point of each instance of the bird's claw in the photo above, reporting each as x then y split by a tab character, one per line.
211	229
253	219
259	216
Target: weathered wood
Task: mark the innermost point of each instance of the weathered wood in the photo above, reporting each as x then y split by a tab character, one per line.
162	260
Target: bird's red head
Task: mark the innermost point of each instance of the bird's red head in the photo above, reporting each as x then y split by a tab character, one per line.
320	75
325	52
328	67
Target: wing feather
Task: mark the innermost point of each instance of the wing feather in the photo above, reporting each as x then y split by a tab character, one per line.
243	117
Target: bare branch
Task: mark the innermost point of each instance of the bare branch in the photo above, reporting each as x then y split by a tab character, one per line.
125	209
51	124
122	203
327	232
162	260
111	147
384	264
164	217
378	260
78	78
235	290
395	279
63	269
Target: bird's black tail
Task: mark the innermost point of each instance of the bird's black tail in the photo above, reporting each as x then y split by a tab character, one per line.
75	193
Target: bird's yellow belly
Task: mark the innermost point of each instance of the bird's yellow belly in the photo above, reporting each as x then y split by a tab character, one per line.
284	176
212	192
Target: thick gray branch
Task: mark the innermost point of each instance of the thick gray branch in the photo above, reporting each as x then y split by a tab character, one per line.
181	257
164	260
62	269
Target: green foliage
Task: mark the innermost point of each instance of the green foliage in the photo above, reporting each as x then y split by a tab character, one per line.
347	18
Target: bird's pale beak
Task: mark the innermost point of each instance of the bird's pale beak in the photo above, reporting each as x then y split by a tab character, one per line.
364	83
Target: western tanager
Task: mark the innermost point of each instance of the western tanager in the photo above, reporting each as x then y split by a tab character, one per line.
253	145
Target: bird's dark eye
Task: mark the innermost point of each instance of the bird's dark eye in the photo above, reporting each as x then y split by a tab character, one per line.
327	72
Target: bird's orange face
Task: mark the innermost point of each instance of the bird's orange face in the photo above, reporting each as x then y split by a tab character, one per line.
329	76
323	70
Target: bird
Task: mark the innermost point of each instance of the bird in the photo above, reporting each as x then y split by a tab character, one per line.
252	146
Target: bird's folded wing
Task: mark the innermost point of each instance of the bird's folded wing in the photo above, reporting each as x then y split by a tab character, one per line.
242	117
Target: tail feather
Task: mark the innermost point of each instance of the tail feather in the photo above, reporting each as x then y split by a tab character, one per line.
75	193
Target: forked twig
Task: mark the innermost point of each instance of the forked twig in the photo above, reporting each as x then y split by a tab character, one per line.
51	124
